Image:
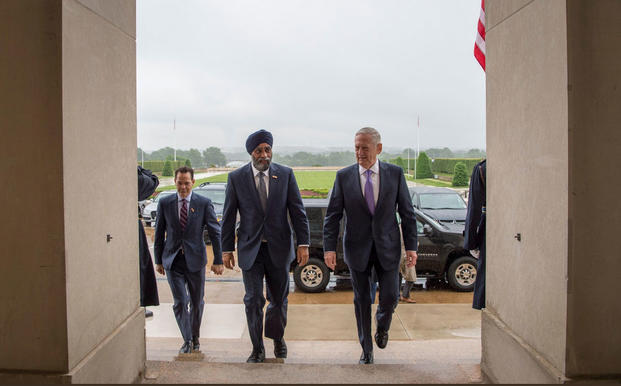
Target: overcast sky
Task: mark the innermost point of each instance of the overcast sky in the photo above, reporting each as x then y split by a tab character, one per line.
310	71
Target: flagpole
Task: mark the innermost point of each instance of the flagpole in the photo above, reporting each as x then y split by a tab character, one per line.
417	145
175	137
408	160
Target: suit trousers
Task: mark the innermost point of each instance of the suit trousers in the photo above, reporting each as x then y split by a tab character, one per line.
388	298
277	281
188	290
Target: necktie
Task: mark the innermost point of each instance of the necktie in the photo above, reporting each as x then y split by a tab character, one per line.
368	192
183	216
262	191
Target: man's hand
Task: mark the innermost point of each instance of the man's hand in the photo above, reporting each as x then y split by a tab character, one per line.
228	259
218	269
302	255
160	269
330	259
412	257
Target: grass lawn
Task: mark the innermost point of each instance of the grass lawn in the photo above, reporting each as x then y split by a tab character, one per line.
319	181
430	182
313	183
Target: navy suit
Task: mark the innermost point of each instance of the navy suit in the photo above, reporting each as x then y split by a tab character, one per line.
270	259
474	232
371	240
183	255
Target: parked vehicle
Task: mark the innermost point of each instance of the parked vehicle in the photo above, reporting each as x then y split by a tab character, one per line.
442	204
440	253
149	212
216	192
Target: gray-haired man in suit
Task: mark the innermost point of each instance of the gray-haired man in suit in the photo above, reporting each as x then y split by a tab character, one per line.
370	192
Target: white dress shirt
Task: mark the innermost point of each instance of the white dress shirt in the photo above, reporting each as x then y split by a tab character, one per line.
374	179
256	172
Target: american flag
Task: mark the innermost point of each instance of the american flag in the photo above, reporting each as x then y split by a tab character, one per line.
479	44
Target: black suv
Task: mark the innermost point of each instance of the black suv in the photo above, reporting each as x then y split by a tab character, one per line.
440	253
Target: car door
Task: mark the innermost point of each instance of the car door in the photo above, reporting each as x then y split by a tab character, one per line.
428	249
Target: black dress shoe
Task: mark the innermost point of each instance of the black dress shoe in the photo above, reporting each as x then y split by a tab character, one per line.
186	348
366	358
148	313
257	356
381	338
280	348
196	346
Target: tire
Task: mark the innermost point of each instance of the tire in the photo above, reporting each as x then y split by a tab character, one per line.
462	274
312	277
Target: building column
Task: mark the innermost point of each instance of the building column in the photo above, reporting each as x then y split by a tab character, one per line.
69	293
553	140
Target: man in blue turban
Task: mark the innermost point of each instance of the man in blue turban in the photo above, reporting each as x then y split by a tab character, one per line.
264	193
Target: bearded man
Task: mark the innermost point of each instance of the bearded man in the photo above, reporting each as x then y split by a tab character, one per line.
264	193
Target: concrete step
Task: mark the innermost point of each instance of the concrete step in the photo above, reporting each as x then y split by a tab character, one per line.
159	372
223	361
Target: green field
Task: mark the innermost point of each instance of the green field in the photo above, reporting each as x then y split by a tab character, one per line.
430	182
319	182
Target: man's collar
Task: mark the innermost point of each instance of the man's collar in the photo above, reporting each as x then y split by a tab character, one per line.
374	168
187	198
256	171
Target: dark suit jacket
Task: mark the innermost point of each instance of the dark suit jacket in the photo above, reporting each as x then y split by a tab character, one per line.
169	237
476	201
363	229
283	198
147	182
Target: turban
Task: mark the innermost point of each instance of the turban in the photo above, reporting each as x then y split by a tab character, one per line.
257	138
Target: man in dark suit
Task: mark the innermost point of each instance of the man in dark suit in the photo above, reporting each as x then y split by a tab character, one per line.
370	193
264	193
474	232
180	252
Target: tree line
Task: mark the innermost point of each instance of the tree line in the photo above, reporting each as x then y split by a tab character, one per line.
214	157
210	157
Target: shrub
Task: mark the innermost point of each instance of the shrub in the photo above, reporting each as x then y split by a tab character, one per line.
423	166
460	176
447	165
168	170
188	163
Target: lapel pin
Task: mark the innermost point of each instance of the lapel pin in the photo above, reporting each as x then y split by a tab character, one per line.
192	210
275	177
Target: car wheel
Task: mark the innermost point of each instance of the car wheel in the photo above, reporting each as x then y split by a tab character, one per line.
462	273
312	277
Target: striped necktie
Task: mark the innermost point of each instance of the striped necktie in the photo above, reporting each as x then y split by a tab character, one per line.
183	216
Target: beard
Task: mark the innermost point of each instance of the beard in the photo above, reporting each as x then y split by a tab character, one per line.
256	162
